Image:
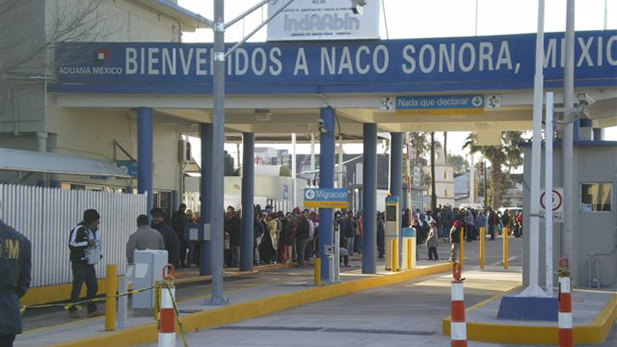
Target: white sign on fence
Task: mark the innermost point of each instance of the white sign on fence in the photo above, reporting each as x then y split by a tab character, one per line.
555	201
307	20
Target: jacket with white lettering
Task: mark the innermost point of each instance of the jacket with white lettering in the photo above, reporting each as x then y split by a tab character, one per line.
78	244
15	266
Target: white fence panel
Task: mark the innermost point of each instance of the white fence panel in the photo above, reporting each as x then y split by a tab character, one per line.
47	215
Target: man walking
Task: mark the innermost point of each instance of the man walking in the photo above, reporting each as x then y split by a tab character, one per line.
169	236
85	246
180	222
144	238
15	266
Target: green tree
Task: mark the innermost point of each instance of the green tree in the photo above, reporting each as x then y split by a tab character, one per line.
420	144
459	164
503	159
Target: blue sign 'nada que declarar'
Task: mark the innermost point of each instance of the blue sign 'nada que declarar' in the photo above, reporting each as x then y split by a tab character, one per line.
404	66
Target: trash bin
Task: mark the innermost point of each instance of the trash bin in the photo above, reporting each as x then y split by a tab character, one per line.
154	260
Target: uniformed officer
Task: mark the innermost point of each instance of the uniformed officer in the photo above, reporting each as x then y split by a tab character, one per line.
15	266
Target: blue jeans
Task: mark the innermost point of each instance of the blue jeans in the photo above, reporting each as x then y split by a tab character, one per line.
349	245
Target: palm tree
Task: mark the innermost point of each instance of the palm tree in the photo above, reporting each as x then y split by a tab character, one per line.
509	155
445	146
420	145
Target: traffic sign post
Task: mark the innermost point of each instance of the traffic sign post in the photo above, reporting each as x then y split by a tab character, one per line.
556	201
325	198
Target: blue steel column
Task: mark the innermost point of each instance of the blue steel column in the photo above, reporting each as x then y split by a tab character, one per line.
326	180
144	153
248	192
396	164
205	197
369	198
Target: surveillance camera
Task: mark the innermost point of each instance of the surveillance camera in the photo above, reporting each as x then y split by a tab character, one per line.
585	99
321	126
357	6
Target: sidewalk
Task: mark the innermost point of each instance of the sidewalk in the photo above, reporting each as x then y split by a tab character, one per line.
280	282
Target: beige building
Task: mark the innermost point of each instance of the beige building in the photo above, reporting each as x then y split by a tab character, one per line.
33	119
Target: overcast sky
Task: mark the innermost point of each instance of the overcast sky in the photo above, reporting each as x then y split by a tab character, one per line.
435	18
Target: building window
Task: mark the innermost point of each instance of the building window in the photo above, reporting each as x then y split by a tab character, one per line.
596	197
445	193
445	175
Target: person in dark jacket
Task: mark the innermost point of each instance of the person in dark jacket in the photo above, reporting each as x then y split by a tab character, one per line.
172	245
235	238
180	222
84	244
348	232
303	237
455	239
15	267
381	235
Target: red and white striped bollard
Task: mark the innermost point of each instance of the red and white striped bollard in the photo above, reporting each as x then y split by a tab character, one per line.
566	335
167	322
458	327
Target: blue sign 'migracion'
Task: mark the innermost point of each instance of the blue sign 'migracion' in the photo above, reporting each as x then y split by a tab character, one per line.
128	167
376	66
325	198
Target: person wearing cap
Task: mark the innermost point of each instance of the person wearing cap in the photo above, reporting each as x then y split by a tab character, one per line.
85	247
432	241
172	245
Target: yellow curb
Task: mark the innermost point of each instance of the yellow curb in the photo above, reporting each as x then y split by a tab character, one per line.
61	292
595	332
242	311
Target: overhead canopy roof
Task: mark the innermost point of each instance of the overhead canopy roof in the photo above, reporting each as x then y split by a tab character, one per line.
28	161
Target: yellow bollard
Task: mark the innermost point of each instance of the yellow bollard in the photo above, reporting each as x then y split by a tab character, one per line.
482	245
394	263
110	302
460	248
317	272
505	248
409	254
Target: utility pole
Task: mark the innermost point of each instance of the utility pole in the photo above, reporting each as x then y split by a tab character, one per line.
217	180
568	134
533	289
433	178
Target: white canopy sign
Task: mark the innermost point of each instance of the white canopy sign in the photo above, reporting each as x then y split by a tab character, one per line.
306	20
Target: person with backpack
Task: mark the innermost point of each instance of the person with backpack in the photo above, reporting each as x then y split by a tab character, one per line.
85	247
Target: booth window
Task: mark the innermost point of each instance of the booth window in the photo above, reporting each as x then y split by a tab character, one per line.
596	197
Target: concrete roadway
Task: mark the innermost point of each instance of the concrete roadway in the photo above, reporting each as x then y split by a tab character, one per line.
406	314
